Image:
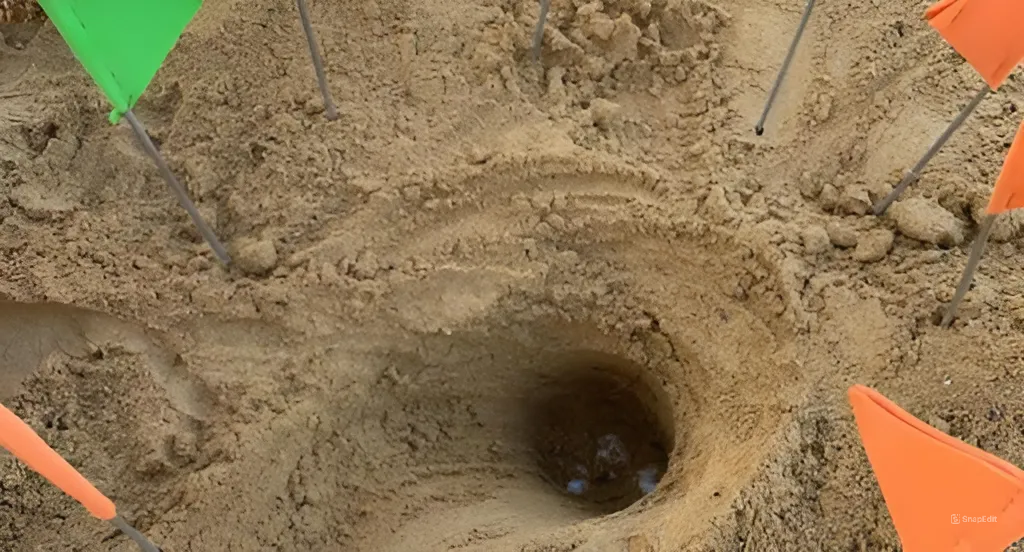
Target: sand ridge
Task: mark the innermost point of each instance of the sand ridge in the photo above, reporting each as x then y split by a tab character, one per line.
415	276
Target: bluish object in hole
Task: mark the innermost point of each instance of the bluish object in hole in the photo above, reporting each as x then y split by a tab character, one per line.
577	486
648	479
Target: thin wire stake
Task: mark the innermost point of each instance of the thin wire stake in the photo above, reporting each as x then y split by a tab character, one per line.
134	534
179	191
914	174
972	266
759	128
538	33
318	62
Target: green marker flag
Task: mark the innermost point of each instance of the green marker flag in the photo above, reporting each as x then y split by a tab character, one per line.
121	43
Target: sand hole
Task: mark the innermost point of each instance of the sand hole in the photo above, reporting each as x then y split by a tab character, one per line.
551	413
599	434
493	423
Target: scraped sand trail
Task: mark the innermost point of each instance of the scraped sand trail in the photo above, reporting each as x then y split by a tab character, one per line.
435	291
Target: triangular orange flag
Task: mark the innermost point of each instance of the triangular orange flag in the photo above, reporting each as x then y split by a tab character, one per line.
989	34
1009	191
943	495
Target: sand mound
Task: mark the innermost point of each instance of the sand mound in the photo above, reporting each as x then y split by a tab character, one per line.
497	306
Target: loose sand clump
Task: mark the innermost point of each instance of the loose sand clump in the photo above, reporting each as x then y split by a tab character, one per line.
495	303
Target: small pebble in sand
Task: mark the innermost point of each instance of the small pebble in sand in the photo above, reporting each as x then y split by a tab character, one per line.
809	185
255	257
926	221
873	246
815	239
854	201
366	266
841	235
604	113
600	25
829	197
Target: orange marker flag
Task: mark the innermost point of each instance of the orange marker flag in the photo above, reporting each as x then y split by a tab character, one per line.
1009	191
943	495
19	439
989	34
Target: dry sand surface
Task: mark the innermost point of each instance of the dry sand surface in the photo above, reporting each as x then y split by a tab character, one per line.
447	300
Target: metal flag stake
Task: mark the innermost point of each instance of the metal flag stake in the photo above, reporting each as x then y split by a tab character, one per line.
177	188
318	62
538	33
914	174
973	260
759	127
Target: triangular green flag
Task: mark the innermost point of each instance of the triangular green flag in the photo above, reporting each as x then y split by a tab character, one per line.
121	43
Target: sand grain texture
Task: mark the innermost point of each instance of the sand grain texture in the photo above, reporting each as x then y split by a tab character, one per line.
470	234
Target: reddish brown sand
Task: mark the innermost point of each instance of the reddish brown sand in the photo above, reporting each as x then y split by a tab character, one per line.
399	360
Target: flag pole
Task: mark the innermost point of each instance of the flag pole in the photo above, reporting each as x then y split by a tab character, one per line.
318	62
914	174
135	535
538	33
176	187
972	266
759	128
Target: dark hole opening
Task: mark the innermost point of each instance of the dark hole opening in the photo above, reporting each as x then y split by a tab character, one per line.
599	437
